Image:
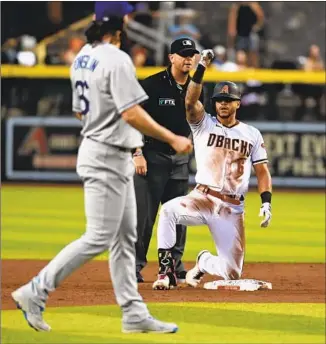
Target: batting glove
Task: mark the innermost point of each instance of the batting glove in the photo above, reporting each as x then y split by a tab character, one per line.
266	212
206	57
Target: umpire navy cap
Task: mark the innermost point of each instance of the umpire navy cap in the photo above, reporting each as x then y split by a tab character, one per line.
104	9
183	46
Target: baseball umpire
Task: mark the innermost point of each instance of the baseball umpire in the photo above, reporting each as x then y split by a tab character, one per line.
161	174
106	94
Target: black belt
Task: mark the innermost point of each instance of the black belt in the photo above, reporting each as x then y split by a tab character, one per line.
241	198
121	149
159	147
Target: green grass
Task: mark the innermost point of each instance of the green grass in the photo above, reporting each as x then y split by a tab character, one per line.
38	221
198	323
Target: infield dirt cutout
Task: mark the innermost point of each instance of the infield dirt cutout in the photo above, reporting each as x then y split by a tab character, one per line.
91	285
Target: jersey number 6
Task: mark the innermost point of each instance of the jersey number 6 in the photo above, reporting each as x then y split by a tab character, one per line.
81	88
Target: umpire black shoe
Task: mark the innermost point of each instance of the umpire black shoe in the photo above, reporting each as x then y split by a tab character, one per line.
140	278
181	276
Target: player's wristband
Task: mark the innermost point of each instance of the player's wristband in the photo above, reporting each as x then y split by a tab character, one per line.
199	74
138	153
266	196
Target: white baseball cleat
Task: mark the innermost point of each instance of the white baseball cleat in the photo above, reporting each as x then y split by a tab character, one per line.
149	324
195	275
31	310
162	283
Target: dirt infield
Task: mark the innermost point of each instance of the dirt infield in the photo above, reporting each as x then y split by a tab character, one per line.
91	285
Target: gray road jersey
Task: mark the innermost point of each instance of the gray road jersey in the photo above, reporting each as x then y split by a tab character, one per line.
104	85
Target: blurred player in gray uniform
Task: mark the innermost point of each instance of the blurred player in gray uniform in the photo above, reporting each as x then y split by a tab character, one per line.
106	95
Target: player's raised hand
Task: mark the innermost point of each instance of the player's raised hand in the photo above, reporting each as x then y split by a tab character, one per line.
206	57
181	145
266	212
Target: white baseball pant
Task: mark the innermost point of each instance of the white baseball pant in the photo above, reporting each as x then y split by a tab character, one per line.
225	223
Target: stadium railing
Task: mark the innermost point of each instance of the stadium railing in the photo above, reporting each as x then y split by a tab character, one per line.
262	75
270	100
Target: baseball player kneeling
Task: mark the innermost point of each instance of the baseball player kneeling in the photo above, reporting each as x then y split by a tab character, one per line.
225	150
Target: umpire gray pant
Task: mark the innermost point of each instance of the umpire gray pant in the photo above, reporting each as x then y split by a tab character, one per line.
110	208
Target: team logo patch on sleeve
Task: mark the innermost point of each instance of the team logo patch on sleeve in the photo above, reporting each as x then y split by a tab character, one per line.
166	102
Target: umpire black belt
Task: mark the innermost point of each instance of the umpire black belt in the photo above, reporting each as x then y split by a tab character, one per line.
233	199
159	147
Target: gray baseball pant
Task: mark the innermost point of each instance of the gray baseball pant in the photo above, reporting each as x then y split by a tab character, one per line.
110	208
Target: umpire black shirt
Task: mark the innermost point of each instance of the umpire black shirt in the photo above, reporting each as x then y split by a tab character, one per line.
166	105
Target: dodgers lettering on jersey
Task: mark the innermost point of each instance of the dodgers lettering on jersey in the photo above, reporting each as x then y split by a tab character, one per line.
104	85
224	156
86	62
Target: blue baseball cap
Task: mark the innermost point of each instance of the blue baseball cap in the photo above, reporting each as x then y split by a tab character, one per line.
105	9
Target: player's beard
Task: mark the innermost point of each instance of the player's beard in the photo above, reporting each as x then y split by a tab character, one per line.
230	113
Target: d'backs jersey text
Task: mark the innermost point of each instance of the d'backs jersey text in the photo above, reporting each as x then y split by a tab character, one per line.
224	156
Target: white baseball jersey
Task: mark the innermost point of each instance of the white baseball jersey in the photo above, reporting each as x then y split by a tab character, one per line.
224	156
104	86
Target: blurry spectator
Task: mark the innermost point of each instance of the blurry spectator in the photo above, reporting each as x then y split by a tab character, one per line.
40	18
55	12
206	41
241	60
314	93
314	61
26	55
143	14
220	62
75	44
140	56
245	20
53	56
9	51
184	29
251	90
